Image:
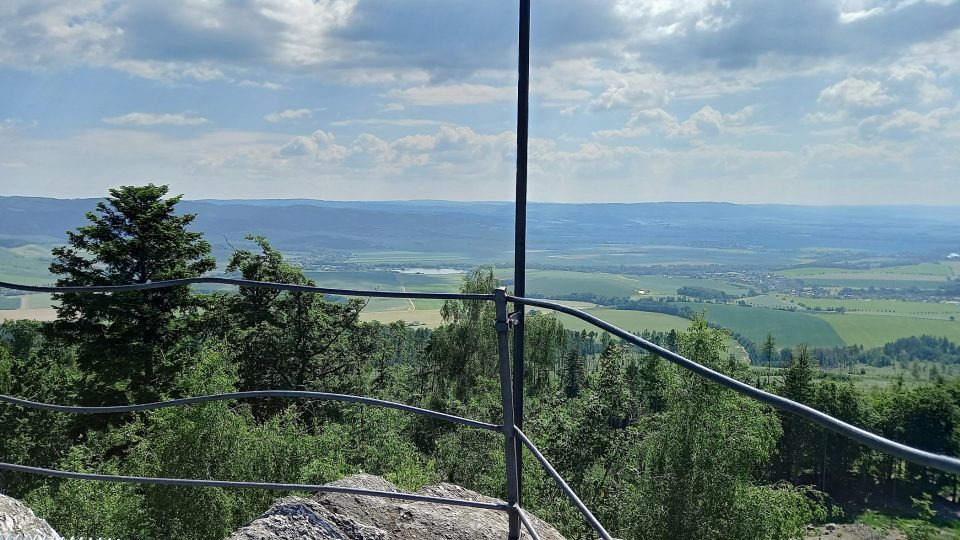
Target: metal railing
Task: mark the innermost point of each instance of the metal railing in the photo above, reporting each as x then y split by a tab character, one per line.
514	438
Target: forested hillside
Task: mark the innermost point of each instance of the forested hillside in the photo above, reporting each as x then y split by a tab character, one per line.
655	451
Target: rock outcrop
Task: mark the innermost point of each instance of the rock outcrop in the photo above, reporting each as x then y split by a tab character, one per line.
19	522
355	517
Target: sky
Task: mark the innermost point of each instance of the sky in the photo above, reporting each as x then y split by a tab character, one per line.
748	101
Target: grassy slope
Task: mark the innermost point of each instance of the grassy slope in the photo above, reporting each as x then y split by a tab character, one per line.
633	321
922	310
789	328
875	330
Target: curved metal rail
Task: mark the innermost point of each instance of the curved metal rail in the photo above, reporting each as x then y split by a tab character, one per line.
252	485
72	409
242	283
920	457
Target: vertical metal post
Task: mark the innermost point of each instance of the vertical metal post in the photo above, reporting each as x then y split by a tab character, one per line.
520	225
506	394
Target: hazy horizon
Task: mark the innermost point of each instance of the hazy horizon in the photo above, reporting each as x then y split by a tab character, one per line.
950	204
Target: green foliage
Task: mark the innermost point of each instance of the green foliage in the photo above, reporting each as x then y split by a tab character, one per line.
287	340
660	453
6	366
134	236
922	530
33	369
702	459
795	451
574	375
464	349
80	507
545	339
769	352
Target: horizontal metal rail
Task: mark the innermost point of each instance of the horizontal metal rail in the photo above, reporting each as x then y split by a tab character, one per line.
914	455
502	507
563	485
242	283
71	409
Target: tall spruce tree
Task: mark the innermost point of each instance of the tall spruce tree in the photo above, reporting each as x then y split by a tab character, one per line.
769	351
797	445
134	236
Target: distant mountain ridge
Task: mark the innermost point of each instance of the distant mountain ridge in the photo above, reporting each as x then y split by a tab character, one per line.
484	230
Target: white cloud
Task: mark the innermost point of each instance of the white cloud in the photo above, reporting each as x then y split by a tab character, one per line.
402	122
704	123
626	94
288	115
155	119
455	94
260	84
622	133
903	124
847	17
171	71
857	94
821	117
319	146
46	33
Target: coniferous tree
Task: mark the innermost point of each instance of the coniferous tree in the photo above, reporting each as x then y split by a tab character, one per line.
134	236
769	350
797	443
573	373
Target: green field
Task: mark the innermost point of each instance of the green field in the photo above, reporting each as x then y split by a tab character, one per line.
637	322
789	328
385	280
874	330
877	282
25	264
428	318
925	270
923	275
632	321
770	301
668	255
923	310
556	283
552	283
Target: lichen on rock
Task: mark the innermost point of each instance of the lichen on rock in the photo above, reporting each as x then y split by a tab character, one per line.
342	516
